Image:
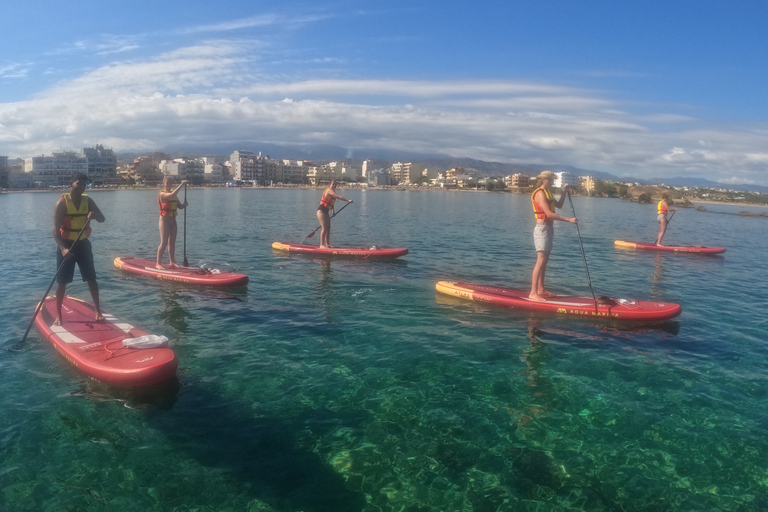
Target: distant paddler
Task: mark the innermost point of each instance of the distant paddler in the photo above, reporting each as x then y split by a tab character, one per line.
326	204
544	205
169	204
663	209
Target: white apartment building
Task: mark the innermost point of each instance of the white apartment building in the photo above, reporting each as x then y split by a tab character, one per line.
55	170
563	178
102	164
214	172
404	173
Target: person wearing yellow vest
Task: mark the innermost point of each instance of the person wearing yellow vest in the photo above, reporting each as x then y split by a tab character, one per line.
663	209
73	211
326	204
168	202
544	206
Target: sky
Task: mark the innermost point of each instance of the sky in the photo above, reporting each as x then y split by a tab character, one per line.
645	88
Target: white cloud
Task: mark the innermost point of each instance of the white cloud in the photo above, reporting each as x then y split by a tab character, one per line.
216	92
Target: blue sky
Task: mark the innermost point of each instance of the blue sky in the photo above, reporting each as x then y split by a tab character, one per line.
645	88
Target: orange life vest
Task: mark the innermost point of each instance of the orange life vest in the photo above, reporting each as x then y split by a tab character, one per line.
168	209
663	208
537	211
75	218
327	200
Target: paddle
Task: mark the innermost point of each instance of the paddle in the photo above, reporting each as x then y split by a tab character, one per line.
186	262
318	227
670	217
578	232
40	304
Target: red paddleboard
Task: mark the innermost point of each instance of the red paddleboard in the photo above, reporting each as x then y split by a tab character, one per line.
96	348
187	275
366	253
693	249
611	309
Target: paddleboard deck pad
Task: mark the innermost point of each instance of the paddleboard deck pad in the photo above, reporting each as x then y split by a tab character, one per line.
96	347
693	249
367	253
609	309
186	275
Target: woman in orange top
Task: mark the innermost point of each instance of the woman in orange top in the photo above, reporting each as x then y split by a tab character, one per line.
663	209
168	203
326	204
544	205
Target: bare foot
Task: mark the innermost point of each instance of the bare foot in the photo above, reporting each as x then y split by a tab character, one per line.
57	321
159	267
173	265
99	316
323	246
537	298
546	294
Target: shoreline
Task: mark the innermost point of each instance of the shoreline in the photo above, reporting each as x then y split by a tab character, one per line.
390	188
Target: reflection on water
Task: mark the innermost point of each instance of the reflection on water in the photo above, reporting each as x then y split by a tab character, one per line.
172	312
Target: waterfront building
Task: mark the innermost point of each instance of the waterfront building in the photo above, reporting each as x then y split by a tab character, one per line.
367	164
102	164
55	170
404	173
379	178
294	171
589	183
4	172
246	166
322	174
518	180
144	171
563	178
214	172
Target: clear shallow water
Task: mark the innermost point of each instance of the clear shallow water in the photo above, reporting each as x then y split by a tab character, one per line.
346	386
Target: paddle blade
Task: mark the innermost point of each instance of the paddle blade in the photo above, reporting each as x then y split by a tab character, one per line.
311	234
186	262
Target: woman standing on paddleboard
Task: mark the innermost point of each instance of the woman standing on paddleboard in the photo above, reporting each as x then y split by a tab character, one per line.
663	208
326	204
544	205
169	202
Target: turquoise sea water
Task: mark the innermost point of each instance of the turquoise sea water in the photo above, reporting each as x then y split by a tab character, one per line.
353	386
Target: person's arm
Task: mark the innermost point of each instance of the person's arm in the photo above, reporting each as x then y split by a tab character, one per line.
94	212
164	196
549	214
337	196
58	217
560	202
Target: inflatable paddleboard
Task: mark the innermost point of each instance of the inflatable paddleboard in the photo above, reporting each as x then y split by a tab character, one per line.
187	275
609	309
369	253
693	249
96	347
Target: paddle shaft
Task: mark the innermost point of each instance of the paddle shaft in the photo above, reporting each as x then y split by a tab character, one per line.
584	256
186	262
332	216
40	304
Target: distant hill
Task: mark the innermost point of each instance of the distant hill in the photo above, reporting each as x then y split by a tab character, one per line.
385	158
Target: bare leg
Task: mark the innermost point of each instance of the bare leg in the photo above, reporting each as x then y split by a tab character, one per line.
61	290
164	235
93	287
537	278
662	230
172	244
325	225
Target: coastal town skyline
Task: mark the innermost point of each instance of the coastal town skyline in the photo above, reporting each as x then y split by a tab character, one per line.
639	91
